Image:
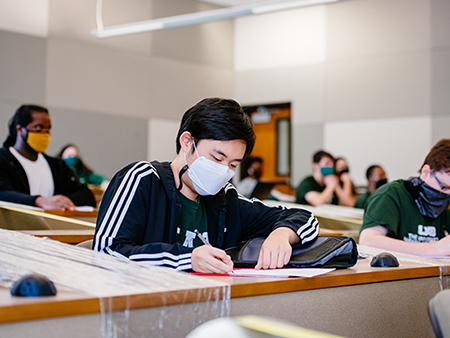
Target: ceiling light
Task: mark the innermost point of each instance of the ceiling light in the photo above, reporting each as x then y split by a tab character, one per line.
202	17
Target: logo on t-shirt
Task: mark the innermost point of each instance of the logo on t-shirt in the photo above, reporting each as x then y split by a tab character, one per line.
190	236
424	234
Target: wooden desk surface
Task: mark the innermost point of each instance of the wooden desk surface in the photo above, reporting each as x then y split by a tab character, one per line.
70	236
361	273
73	213
14	309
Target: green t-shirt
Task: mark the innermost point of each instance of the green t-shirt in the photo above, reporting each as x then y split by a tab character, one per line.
92	178
309	184
362	200
193	216
393	207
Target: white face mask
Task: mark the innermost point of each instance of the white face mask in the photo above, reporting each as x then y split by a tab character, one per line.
208	176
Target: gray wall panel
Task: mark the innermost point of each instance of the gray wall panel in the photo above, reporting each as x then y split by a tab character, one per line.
7	110
440	23
73	20
82	77
440	128
107	142
368	28
306	141
378	87
210	44
440	82
22	68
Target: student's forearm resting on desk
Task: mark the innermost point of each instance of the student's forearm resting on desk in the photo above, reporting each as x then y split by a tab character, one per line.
377	237
316	198
57	202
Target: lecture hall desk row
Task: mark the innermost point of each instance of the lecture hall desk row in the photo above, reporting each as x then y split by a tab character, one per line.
357	302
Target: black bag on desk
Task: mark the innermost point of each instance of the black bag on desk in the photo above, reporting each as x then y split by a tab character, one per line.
323	252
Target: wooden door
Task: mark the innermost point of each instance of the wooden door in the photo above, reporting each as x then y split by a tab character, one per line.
266	139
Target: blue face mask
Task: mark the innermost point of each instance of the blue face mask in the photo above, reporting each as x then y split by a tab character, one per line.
72	161
325	171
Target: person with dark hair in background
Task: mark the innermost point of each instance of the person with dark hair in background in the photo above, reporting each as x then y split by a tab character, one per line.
153	212
345	190
254	169
320	187
27	175
412	215
71	155
376	177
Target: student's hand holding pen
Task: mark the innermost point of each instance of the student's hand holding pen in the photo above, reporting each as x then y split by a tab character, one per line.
208	259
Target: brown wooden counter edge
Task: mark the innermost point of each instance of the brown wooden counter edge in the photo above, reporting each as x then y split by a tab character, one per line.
331	280
52	308
75	213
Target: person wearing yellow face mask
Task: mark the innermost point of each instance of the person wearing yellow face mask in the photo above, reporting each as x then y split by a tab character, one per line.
27	175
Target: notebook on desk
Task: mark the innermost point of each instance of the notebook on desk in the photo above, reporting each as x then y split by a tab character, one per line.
262	190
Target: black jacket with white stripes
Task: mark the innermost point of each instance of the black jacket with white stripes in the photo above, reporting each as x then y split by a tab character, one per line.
139	213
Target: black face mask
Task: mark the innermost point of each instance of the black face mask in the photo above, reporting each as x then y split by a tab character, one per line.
381	182
431	202
255	173
339	173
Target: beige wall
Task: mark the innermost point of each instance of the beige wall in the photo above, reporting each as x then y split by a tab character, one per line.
378	95
366	78
104	94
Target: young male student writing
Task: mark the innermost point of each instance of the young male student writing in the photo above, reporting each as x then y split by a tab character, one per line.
412	216
150	211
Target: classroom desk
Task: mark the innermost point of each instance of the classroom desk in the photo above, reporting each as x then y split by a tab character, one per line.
88	216
70	236
358	302
52	224
334	217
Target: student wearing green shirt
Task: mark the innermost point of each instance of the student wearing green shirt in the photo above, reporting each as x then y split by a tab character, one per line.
71	155
412	216
323	187
319	188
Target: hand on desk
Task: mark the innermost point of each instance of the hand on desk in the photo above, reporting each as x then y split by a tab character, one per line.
57	202
208	259
276	250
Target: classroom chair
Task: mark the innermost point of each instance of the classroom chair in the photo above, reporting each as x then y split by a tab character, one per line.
439	311
86	244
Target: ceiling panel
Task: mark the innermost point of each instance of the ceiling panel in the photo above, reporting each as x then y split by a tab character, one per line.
230	3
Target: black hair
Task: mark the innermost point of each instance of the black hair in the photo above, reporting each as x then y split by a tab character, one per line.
320	154
22	117
370	169
218	119
246	163
80	166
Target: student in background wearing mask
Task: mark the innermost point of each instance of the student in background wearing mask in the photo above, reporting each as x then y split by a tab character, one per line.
320	187
246	186
412	215
345	190
71	155
376	177
27	175
150	211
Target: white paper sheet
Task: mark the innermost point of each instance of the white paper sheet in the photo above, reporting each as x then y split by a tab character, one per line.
280	273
